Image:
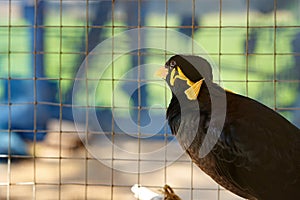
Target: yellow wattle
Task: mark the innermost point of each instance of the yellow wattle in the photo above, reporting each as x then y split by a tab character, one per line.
193	91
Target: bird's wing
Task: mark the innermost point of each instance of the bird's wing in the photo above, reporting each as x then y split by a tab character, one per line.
258	148
190	135
187	129
261	135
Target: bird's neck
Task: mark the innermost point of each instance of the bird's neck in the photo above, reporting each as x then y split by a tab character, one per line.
173	108
181	103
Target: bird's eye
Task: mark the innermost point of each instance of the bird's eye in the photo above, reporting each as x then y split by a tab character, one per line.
172	64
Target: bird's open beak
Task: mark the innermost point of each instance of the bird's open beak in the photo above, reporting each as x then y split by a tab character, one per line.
162	72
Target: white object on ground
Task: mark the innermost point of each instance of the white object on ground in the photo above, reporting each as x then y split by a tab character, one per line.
143	193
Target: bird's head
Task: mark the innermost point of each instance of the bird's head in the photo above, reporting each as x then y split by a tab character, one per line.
185	74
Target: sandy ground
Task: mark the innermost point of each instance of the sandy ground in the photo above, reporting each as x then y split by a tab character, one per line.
61	171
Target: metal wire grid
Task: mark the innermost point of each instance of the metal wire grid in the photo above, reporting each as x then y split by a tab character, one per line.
117	184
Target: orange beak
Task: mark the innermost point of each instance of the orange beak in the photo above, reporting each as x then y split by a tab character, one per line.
162	72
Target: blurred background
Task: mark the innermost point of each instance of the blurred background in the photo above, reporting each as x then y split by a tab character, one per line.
254	43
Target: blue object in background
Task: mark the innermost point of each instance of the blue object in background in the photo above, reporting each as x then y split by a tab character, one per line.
21	109
251	43
35	17
11	144
267	6
22	113
187	20
95	36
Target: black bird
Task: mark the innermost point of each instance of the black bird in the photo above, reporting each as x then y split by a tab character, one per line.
255	152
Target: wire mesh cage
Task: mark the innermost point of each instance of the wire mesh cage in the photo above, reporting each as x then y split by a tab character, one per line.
82	114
